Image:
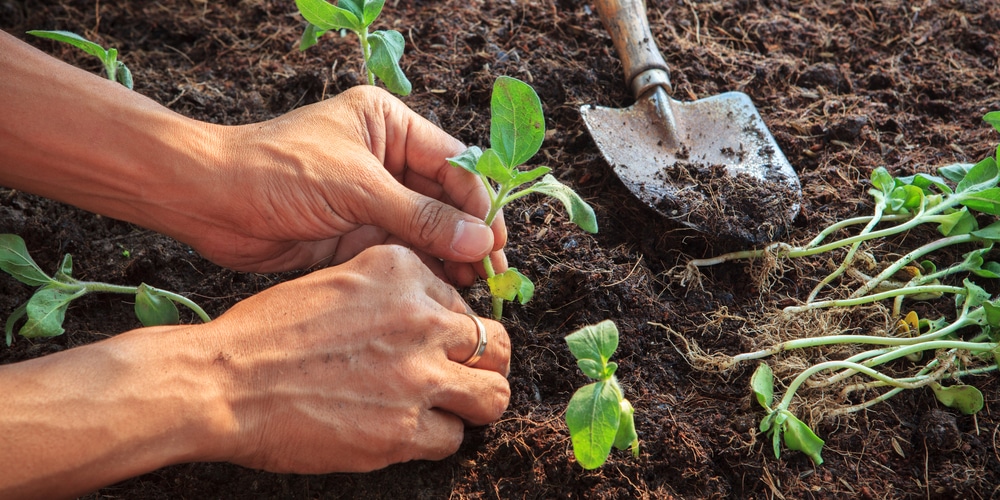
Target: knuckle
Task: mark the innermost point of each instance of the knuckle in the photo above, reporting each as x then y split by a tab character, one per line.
427	221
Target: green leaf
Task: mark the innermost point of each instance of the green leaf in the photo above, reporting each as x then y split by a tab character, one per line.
958	222
492	167
992	311
974	295
965	398
956	171
153	309
986	201
925	182
372	9
327	16
762	384
579	212
511	284
990	232
905	198
626	436
524	177
310	36
47	310
468	159
16	261
596	342
591	368
74	40
993	118
983	175
592	416
882	180
799	437
989	269
517	125
15	316
387	49
123	75
65	272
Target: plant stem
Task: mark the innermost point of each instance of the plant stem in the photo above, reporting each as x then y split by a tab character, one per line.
366	54
100	287
854	301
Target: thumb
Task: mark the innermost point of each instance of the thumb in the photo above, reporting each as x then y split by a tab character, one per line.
433	226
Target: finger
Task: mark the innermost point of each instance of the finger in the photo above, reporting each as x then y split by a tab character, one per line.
439	435
476	396
465	345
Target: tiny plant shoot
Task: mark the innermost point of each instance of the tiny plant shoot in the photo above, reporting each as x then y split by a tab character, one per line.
115	70
517	128
380	50
598	415
954	203
46	309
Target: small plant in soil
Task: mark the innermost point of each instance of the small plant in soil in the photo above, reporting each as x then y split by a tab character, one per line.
381	50
962	346
598	415
46	309
517	128
115	70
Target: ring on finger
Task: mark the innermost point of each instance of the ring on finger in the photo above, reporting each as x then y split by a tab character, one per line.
481	346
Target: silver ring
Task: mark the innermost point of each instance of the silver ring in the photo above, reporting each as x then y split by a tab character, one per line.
481	347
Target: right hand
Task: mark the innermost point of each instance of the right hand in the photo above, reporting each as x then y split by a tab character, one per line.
356	367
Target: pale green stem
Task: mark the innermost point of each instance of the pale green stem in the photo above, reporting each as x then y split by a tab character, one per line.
99	287
366	54
849	258
910	257
854	301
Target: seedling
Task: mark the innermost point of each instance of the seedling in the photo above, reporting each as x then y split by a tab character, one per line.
598	415
517	129
901	204
46	309
381	50
113	68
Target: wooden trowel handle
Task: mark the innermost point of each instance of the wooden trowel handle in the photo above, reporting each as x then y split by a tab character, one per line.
626	22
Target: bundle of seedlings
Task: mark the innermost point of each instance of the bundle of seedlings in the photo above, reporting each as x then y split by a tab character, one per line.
839	367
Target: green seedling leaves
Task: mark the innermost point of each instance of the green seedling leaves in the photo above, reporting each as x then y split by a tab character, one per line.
325	16
762	385
517	126
116	70
580	213
310	36
153	309
798	436
964	398
592	416
387	49
958	222
493	168
47	310
15	260
12	321
598	416
510	285
993	118
468	159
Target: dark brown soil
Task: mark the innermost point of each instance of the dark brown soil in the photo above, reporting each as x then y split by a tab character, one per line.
844	86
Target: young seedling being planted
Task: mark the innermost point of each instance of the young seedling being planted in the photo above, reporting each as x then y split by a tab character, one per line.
517	128
46	309
113	68
598	415
886	364
380	50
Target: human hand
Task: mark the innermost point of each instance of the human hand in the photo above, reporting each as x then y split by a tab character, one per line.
322	183
354	368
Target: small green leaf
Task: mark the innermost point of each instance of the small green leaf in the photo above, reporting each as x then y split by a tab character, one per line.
510	285
492	167
15	316
154	309
468	159
310	36
327	16
372	9
982	176
591	368
958	222
517	124
16	261
925	182
74	40
386	50
993	118
956	171
47	310
965	398
596	342
990	232
798	436
123	75
762	384
524	177
65	272
626	436
592	416
986	201
905	198
579	212
882	180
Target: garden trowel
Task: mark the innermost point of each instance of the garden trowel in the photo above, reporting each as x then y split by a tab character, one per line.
711	164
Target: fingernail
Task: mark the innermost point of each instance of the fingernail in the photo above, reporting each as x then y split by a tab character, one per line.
471	239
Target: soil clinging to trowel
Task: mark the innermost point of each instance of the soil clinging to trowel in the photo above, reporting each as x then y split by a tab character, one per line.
736	206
